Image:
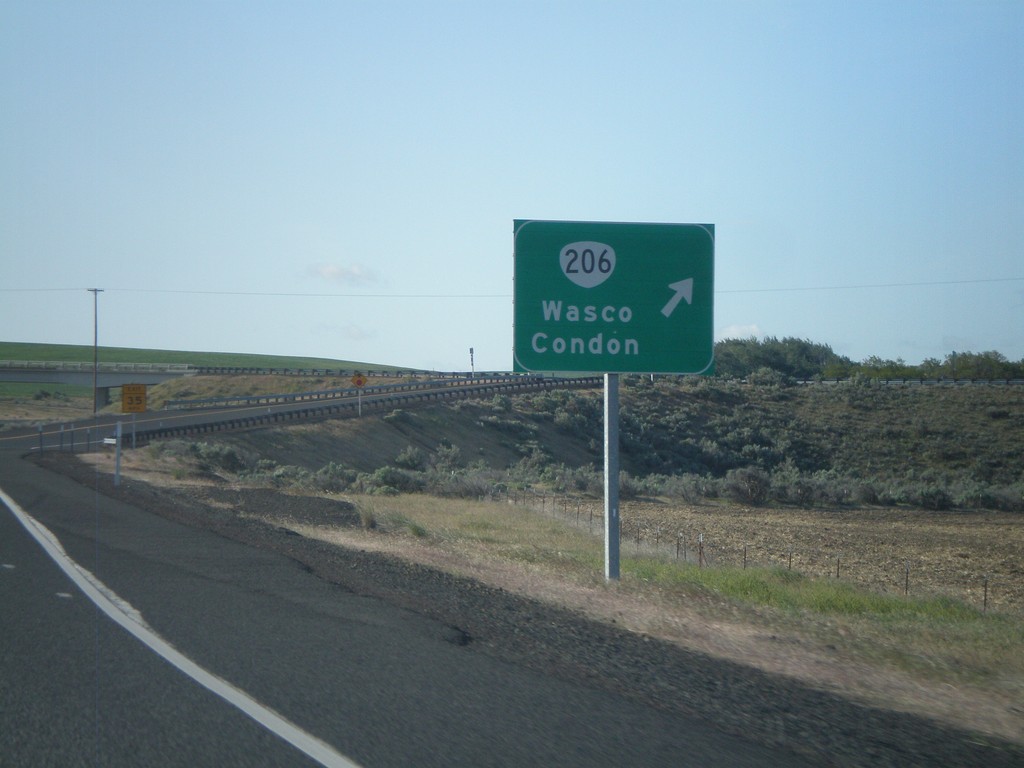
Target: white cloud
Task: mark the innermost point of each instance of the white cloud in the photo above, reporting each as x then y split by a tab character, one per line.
355	333
355	274
739	332
344	332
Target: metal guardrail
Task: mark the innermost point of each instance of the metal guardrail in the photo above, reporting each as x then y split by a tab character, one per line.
917	381
349	407
338	394
55	365
209	370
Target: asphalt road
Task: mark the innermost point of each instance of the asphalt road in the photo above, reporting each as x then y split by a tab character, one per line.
381	685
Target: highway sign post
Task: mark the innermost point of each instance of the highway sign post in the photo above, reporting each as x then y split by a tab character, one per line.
133	401
133	398
359	381
611	298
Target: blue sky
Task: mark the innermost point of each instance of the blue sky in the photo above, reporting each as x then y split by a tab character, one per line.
339	179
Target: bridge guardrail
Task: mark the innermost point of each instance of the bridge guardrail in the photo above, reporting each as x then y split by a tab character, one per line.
336	394
916	381
393	373
349	407
55	365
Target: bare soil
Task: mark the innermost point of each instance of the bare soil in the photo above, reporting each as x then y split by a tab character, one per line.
780	688
889	550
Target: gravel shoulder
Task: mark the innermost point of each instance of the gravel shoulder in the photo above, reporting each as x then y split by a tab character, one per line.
568	642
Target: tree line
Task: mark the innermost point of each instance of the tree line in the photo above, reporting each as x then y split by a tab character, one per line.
804	359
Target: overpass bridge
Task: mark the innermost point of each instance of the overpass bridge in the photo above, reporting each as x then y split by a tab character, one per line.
107	375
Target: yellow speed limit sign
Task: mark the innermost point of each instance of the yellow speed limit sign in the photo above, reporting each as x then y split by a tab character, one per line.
359	381
133	398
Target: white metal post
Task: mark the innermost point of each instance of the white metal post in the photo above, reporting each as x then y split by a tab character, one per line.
117	454
611	476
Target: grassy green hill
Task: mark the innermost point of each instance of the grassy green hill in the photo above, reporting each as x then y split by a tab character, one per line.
76	353
12	350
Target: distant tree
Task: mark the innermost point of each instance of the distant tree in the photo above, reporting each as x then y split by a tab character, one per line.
804	359
980	365
930	368
796	358
876	367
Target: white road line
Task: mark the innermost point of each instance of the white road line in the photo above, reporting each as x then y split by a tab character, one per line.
121	612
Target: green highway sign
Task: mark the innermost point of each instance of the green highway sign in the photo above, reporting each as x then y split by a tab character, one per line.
603	297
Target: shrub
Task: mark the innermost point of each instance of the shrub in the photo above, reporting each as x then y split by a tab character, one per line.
518	429
565	479
629	487
922	493
447	457
402	480
768	377
461	485
690	488
800	491
866	492
334	478
975	494
535	458
220	456
412	458
748	485
289	475
832	488
933	497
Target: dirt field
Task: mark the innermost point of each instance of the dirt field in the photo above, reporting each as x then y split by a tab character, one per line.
947	553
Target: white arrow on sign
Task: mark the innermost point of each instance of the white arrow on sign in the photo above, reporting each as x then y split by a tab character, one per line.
683	290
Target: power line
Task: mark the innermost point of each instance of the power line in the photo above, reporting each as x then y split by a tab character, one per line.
191	292
283	294
873	285
323	295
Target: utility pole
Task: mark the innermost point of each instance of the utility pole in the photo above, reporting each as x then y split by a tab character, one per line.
95	346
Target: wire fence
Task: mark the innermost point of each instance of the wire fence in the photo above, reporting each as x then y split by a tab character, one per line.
904	574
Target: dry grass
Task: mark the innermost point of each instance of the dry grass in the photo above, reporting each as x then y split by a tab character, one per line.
955	664
25	410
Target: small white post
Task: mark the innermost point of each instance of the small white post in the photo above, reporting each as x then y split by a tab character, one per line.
117	457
